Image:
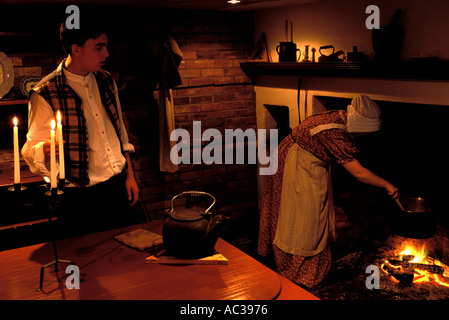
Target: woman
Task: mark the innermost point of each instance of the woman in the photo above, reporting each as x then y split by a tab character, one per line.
297	215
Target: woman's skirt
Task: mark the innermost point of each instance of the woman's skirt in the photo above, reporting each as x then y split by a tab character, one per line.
304	269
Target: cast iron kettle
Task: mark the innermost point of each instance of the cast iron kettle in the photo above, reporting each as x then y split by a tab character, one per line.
190	232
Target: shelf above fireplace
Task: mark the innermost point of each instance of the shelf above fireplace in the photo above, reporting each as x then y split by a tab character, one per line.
408	70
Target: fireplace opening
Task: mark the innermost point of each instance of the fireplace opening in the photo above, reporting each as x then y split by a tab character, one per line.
280	119
409	152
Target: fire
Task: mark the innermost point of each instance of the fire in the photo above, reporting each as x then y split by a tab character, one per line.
420	254
414	254
58	117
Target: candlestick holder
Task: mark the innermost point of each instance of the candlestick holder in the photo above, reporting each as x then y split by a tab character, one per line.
19	195
54	194
54	198
62	183
17	187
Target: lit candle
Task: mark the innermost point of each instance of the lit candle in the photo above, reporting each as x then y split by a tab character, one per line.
16	152
61	147
53	182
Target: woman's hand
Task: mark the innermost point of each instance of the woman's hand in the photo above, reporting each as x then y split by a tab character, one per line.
392	191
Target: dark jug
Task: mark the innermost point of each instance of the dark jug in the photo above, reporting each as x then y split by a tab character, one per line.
388	40
287	52
190	232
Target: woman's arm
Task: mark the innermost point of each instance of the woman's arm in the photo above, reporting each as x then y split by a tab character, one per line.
366	176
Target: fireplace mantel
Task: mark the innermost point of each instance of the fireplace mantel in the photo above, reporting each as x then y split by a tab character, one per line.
407	70
423	82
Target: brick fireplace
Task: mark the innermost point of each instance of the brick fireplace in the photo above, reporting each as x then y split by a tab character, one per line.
406	152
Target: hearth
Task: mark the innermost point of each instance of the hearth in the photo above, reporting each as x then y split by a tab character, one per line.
347	277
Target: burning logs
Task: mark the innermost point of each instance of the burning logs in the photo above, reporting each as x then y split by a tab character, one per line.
405	278
404	271
409	263
432	268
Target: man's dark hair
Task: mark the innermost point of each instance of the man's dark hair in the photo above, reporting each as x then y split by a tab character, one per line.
89	29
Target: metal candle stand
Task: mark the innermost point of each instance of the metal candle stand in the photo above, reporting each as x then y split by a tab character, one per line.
54	195
17	187
17	193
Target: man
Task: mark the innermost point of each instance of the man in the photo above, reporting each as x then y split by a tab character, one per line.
96	146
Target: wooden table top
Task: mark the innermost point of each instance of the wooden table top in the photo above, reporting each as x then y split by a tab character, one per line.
7	177
110	270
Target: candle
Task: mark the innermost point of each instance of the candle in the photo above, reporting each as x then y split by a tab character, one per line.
53	182
61	147
286	30
16	152
291	31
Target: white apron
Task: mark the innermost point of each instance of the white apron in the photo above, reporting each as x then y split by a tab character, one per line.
306	213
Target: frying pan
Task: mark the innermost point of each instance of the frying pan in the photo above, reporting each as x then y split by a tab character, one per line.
415	219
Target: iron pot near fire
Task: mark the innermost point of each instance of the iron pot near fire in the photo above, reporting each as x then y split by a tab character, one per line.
414	218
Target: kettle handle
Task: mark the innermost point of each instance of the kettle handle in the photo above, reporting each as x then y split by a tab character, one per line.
193	193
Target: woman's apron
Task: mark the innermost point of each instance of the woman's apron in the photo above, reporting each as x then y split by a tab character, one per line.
306	213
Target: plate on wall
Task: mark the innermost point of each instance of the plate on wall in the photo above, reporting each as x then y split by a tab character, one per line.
28	83
6	74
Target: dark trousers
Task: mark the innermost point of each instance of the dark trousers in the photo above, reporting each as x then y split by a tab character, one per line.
97	208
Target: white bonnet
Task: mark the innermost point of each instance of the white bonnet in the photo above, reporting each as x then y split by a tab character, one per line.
363	115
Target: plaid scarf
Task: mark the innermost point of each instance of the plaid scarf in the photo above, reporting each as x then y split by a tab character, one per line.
61	96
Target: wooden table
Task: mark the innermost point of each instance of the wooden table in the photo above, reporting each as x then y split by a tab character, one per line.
110	270
7	177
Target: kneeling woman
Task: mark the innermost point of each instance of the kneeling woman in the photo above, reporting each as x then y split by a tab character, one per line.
297	214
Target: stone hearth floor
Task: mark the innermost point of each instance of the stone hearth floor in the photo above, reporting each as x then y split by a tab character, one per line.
347	278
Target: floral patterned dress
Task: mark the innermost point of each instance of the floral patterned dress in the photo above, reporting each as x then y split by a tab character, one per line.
326	145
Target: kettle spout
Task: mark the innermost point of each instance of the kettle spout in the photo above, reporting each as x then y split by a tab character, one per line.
215	225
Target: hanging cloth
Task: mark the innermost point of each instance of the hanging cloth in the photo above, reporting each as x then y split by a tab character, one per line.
170	56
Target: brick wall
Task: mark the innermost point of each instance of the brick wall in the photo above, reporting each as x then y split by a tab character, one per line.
214	91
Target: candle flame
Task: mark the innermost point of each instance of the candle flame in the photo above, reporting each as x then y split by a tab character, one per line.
58	116
15	121
53	124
